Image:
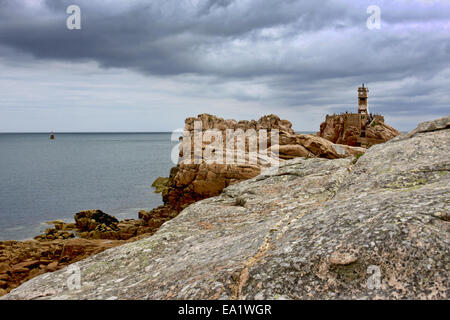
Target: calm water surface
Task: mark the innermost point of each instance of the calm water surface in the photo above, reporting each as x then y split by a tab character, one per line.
43	180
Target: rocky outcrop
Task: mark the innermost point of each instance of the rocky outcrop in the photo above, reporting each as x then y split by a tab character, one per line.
351	128
313	229
379	130
23	260
311	146
95	224
190	182
194	182
267	122
90	220
65	243
156	217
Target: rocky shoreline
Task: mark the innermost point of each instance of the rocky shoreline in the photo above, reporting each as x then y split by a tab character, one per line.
373	227
94	231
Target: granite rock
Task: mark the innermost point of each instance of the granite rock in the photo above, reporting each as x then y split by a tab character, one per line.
312	229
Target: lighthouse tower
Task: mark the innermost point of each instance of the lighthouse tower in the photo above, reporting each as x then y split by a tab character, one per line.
363	107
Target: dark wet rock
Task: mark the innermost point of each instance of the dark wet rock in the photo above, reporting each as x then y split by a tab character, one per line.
90	220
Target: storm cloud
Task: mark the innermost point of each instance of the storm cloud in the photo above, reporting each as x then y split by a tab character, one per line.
234	58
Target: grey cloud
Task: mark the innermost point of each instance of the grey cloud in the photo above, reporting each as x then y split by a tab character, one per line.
161	37
302	52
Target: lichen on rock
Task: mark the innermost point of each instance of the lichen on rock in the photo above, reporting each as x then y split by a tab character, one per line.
311	229
161	184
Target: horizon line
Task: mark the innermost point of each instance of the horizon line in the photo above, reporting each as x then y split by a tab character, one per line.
99	132
71	132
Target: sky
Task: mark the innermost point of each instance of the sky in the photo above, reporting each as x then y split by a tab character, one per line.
142	66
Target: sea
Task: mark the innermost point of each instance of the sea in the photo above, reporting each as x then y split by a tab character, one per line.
43	180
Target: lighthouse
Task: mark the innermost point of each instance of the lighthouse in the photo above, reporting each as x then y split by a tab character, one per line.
363	107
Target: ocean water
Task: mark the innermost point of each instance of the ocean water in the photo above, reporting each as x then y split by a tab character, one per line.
43	180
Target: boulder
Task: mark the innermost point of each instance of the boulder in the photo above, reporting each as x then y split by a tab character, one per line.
51	267
381	131
190	182
90	220
349	128
291	151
